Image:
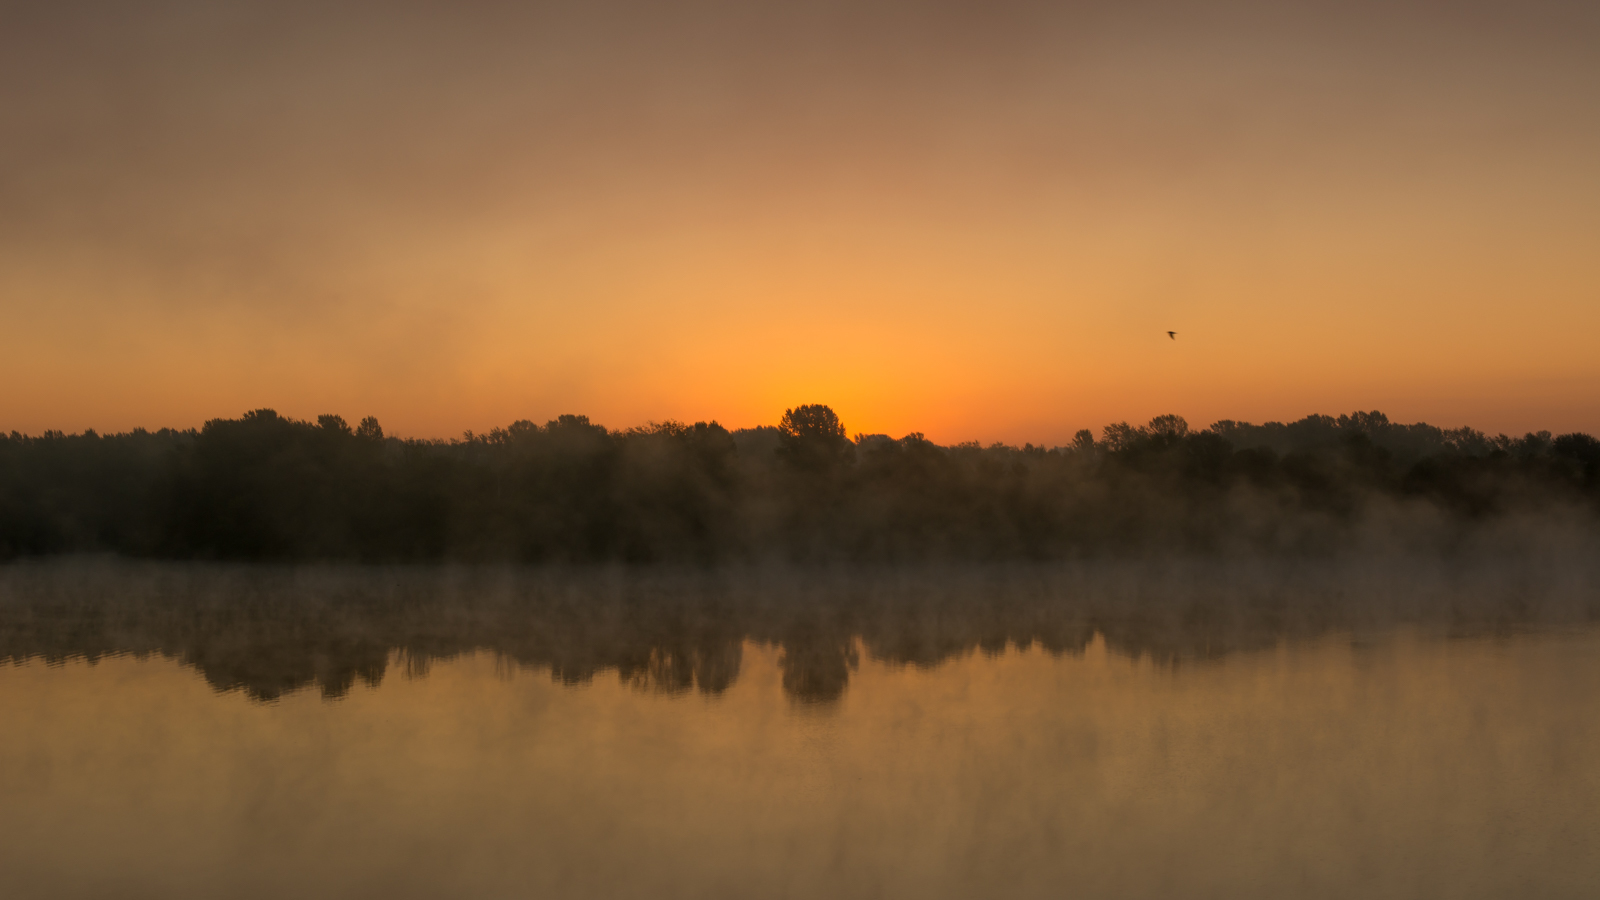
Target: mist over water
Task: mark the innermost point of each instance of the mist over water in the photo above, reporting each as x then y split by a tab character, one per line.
1367	724
270	630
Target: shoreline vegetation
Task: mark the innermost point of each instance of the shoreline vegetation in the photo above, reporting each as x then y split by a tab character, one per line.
268	488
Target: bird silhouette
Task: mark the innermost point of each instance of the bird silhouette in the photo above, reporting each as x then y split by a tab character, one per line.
1173	335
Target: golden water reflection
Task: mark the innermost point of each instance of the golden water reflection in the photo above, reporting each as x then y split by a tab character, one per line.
1393	761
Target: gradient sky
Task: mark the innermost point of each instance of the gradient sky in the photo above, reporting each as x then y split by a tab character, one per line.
975	220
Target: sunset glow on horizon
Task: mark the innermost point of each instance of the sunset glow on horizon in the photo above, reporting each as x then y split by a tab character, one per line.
976	222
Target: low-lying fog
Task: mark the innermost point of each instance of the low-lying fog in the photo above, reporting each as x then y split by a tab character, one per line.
270	630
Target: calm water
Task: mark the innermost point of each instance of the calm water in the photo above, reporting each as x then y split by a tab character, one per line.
1138	730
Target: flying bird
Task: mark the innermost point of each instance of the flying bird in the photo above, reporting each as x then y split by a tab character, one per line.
1173	335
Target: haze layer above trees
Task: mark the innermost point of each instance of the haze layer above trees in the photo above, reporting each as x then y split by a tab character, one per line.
267	487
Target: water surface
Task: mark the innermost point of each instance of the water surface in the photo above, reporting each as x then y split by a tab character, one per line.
1138	730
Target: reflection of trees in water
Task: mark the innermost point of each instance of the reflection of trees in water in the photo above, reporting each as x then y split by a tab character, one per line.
816	668
268	631
710	669
267	670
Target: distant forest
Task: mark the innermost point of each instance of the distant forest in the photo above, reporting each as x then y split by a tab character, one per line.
265	487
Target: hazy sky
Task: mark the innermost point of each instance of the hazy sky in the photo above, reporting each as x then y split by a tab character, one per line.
977	220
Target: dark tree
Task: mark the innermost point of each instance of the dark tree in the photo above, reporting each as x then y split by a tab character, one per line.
813	438
264	486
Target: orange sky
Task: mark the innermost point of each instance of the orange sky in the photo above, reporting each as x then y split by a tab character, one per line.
973	220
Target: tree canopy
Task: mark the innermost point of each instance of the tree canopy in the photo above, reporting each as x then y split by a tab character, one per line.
264	486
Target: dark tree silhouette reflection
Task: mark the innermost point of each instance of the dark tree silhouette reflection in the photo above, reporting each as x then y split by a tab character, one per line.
817	667
268	630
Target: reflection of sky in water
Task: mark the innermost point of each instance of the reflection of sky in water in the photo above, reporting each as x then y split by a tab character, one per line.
1341	755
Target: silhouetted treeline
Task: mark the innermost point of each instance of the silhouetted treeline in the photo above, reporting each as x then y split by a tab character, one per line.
267	487
268	630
